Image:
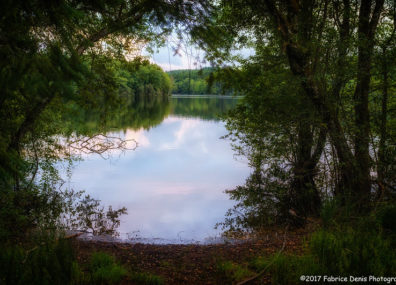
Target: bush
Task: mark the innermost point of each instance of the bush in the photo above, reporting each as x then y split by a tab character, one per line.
233	272
287	269
387	218
47	263
353	252
54	262
347	251
146	278
104	269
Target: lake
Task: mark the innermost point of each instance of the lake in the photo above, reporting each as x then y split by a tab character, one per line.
173	183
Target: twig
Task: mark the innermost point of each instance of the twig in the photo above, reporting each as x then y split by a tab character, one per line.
73	236
28	252
36	247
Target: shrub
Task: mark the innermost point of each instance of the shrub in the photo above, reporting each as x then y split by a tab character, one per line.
233	272
104	269
387	218
348	251
146	278
353	252
47	263
286	269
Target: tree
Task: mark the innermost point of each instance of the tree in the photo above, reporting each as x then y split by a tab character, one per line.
384	71
277	129
52	53
194	82
328	47
296	25
48	51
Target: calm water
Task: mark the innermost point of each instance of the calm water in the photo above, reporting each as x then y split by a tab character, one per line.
173	183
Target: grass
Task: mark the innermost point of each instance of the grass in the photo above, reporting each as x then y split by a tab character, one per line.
363	246
52	262
233	272
146	278
360	248
104	269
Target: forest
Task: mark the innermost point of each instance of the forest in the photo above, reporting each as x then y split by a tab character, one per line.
317	126
195	82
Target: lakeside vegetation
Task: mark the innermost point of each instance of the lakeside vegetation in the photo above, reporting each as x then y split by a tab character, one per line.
140	100
204	108
65	75
316	124
195	82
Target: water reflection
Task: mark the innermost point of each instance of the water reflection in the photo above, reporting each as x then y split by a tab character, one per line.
173	183
203	107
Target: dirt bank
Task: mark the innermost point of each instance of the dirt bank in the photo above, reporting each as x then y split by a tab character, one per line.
195	264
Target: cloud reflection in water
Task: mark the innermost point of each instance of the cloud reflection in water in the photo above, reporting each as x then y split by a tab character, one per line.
172	184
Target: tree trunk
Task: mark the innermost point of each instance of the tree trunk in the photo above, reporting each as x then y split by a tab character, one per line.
366	32
304	196
355	183
381	169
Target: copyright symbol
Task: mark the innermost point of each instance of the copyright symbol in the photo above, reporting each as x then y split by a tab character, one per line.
302	278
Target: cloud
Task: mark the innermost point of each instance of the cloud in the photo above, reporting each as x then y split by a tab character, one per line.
186	130
139	136
168	60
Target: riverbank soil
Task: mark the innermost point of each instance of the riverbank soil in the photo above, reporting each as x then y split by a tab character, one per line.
196	264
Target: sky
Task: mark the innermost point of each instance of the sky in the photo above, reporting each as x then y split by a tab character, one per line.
186	58
166	58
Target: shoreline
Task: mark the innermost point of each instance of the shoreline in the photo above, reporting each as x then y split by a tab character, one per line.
194	263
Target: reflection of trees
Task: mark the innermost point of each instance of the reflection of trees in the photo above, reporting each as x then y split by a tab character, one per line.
140	100
100	144
144	112
204	108
139	112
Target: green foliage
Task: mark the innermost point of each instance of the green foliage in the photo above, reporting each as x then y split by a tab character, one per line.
146	278
50	262
59	59
38	206
47	207
144	80
354	252
58	83
358	249
387	218
233	272
276	129
53	261
318	104
204	108
195	82
287	269
104	269
88	215
140	100
329	211
256	206
21	211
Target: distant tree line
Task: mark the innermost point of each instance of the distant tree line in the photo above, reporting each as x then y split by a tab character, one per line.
196	82
140	99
